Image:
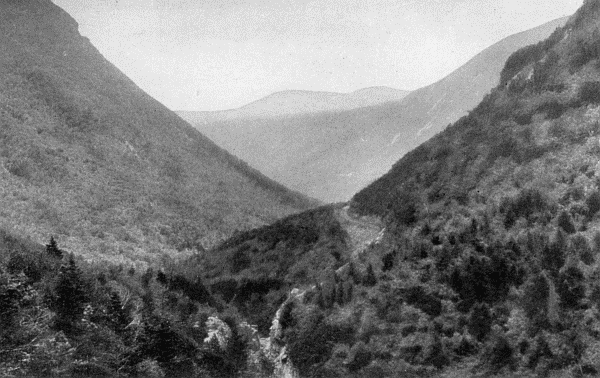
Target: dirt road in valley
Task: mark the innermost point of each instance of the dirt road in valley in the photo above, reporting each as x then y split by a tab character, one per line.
362	230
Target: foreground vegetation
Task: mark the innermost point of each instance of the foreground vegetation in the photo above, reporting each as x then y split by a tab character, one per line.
60	316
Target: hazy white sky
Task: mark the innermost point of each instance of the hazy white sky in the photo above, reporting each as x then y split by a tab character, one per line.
220	54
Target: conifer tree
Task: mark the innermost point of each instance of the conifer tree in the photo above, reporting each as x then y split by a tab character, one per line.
480	321
535	301
553	257
571	287
69	296
370	279
566	222
53	250
118	316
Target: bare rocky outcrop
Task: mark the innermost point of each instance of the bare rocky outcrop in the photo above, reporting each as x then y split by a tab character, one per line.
218	331
274	346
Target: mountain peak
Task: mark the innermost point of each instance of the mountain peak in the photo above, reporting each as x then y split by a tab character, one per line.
333	155
36	18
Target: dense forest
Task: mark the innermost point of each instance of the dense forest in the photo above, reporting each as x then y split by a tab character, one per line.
476	255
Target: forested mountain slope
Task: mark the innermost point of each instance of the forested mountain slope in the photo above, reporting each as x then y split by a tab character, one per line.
488	259
332	155
88	156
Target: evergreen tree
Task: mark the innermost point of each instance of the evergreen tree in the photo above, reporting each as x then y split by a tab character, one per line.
566	223
69	297
119	318
161	278
370	278
480	321
593	203
13	289
347	288
535	301
147	277
553	257
571	287
53	250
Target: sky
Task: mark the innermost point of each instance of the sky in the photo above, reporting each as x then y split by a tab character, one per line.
223	54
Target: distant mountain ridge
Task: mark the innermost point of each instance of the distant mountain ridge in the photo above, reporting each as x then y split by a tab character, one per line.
447	100
332	155
87	156
296	102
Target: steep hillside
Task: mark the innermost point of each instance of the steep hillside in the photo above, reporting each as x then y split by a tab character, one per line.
89	157
332	155
502	210
290	103
489	255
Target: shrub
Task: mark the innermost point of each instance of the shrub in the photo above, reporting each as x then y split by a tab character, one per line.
388	261
19	167
527	203
527	55
428	303
571	287
482	279
359	357
499	354
586	50
589	93
404	209
370	279
553	109
558	130
553	255
593	203
580	247
13	290
240	261
158	340
565	222
308	340
480	321
535	301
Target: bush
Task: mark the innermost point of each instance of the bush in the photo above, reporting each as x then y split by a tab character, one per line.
554	255
580	247
158	340
359	357
527	55
499	354
307	341
553	109
593	203
571	287
480	321
535	301
404	209
565	222
589	93
428	303
370	279
526	204
586	50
